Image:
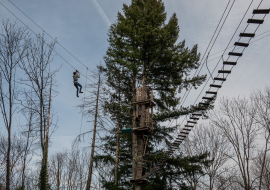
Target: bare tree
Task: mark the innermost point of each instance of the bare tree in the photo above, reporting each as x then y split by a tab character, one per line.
13	45
57	167
17	148
261	169
206	138
39	79
236	119
261	102
29	137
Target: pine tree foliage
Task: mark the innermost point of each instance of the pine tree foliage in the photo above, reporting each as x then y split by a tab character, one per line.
144	45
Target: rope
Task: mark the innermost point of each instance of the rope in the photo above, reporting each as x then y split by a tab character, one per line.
83	101
207	66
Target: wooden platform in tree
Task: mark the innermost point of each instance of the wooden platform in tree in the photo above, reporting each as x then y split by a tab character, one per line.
145	130
144	102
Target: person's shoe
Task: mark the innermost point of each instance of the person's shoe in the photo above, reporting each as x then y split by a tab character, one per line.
81	92
78	96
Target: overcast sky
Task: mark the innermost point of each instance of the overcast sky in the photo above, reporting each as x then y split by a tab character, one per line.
81	26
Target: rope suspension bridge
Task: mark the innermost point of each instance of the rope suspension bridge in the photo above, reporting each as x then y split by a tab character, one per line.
210	95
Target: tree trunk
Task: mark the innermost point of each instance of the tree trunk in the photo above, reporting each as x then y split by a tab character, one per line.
58	175
44	172
140	138
9	130
93	141
264	160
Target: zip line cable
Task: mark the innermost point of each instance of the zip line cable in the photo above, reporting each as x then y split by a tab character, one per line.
207	66
48	34
84	100
45	42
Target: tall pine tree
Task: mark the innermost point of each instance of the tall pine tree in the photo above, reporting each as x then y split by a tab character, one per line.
143	46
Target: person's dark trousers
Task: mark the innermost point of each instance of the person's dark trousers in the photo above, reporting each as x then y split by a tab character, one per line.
76	84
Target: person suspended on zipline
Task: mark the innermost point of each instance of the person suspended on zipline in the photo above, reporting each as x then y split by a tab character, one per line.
76	75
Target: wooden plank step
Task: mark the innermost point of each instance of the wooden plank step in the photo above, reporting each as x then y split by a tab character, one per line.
261	11
192	122
204	104
180	139
184	133
197	114
241	44
255	21
251	35
221	79
183	136
229	63
202	109
189	126
211	92
235	54
195	118
214	85
187	129
208	98
224	71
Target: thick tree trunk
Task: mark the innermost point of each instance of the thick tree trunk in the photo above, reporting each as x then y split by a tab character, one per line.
88	185
140	139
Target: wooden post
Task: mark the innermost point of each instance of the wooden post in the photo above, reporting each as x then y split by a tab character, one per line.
93	141
134	135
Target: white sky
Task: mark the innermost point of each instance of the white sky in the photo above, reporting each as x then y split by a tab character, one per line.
82	27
